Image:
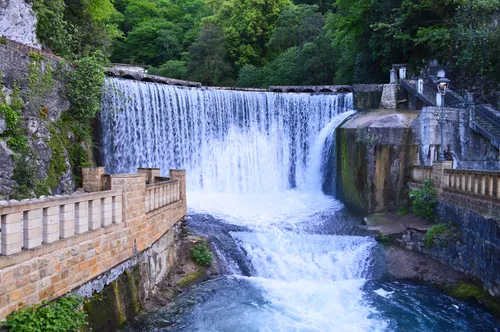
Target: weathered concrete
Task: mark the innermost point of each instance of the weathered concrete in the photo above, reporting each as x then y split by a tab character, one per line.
367	96
374	154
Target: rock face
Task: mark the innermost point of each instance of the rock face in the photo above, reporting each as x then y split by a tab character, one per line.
15	73
18	22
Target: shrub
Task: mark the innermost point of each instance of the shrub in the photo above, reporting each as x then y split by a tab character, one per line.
403	211
439	234
201	254
424	200
64	314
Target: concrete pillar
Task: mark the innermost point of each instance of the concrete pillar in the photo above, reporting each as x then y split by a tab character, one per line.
420	86
81	217
93	179
32	227
402	73
439	178
67	223
117	209
393	77
133	188
176	174
51	227
11	234
106	211
94	214
150	173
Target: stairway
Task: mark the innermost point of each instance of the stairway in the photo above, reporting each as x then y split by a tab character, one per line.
485	120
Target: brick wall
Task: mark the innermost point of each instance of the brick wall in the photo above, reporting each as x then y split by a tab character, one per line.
54	269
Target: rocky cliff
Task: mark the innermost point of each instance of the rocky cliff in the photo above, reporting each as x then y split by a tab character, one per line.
41	149
18	22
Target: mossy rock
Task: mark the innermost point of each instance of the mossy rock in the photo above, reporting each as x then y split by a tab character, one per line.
466	291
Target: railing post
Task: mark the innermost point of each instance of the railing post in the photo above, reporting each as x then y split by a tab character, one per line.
498	186
150	174
51	227
117	209
94	214
32	226
82	217
490	185
67	223
106	211
11	234
93	179
180	175
439	176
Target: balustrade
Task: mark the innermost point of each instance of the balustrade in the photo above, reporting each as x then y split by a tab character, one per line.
421	173
161	194
474	182
28	225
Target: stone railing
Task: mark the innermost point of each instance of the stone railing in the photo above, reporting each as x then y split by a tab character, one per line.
28	225
474	190
473	182
161	194
54	245
421	173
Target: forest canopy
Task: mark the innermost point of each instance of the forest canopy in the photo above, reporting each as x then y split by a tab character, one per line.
256	43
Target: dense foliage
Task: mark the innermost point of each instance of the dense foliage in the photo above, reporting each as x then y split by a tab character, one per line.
262	42
62	315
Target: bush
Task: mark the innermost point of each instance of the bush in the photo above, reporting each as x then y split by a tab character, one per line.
424	200
439	234
62	315
403	211
201	254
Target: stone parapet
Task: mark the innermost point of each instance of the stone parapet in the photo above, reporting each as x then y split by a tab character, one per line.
54	245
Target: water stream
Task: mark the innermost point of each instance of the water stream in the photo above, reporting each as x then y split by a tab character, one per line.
293	259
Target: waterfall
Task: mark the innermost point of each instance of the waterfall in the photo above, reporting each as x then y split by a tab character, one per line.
228	141
255	164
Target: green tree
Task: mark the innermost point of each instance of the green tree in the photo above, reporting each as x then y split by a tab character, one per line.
295	26
151	43
207	62
172	69
247	25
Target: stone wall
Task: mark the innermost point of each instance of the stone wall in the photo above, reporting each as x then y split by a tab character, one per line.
472	245
367	96
467	148
54	269
123	290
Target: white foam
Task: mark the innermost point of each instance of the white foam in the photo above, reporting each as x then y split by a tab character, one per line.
382	292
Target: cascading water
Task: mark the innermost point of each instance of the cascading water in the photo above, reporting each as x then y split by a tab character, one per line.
227	141
256	163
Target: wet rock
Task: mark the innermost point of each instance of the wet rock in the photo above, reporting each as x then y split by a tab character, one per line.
3	125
